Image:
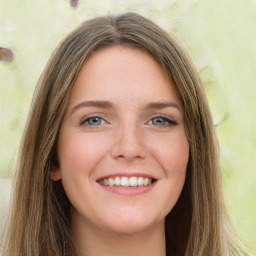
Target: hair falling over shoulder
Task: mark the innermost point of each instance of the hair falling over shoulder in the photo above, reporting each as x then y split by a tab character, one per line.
40	211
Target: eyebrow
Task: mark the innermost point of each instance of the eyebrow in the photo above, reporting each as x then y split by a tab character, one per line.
95	103
162	104
108	104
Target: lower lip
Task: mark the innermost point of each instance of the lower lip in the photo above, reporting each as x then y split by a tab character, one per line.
129	191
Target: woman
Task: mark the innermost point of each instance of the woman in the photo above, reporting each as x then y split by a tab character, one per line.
119	155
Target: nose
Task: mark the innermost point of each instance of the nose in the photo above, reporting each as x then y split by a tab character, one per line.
129	143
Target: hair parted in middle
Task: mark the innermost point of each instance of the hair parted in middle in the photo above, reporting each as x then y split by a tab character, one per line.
41	210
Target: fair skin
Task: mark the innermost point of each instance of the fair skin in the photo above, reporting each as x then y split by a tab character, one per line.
123	120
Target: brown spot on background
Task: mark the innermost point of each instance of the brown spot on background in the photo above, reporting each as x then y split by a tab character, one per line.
74	3
6	55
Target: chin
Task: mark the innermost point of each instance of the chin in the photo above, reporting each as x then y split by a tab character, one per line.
131	224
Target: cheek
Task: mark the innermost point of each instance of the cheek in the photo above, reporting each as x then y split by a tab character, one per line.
173	157
79	153
173	154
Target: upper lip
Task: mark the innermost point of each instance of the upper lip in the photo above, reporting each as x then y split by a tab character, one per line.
129	174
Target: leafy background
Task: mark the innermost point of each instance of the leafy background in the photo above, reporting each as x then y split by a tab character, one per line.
220	35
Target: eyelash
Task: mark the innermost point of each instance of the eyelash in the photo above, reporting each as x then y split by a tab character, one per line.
84	121
166	119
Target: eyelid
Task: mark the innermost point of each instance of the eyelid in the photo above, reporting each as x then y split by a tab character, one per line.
166	117
158	115
91	116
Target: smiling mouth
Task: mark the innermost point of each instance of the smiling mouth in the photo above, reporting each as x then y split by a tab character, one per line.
126	181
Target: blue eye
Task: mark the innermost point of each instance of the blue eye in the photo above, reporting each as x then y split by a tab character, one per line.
161	121
94	121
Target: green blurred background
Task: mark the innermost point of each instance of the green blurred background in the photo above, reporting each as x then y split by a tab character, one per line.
220	35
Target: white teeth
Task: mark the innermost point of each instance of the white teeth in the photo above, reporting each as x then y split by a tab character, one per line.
126	182
111	182
140	181
117	181
133	182
145	183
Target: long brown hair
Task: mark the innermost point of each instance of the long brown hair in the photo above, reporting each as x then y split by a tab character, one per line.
40	217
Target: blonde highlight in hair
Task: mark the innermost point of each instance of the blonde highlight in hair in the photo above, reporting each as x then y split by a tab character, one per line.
40	216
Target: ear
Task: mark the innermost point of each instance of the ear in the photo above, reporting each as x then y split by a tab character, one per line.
55	173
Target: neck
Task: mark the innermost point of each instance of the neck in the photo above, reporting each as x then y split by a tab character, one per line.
91	242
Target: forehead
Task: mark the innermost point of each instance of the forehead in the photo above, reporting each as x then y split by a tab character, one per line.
122	73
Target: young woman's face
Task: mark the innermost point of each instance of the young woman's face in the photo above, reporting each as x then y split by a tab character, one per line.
123	124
